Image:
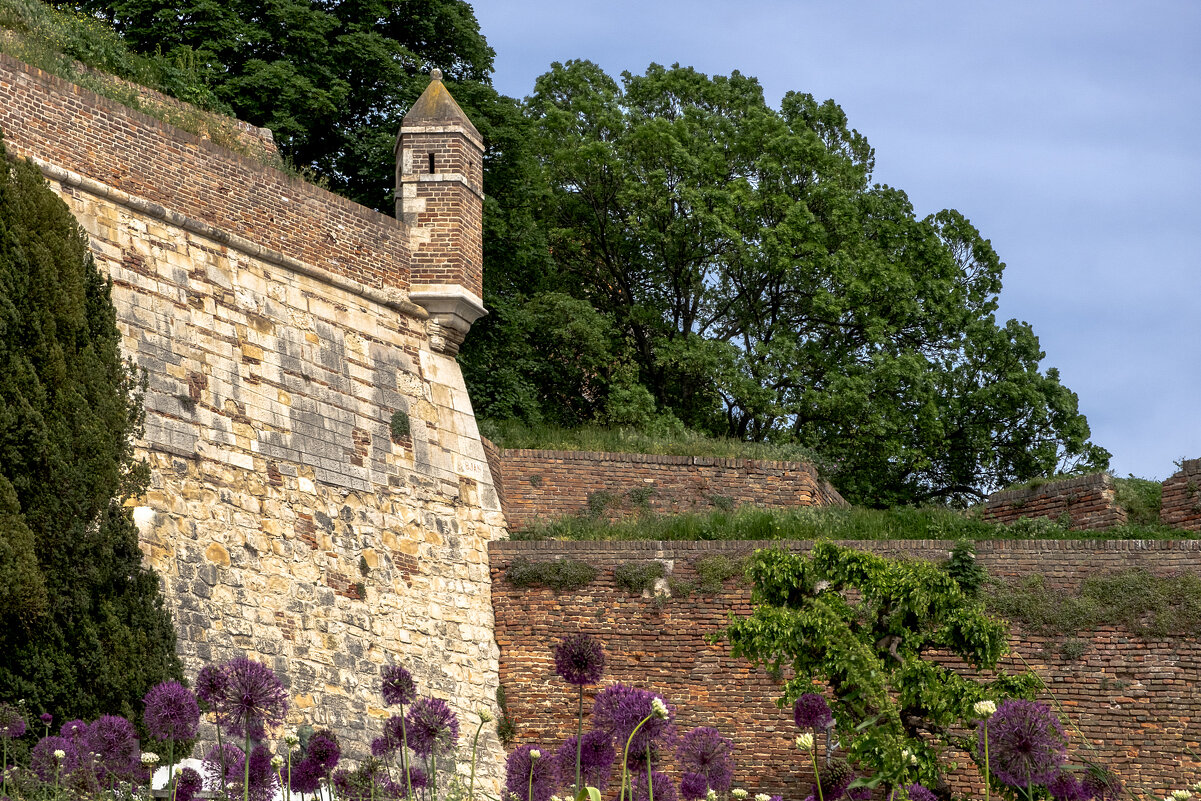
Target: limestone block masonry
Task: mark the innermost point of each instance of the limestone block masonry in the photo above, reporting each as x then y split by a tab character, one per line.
274	325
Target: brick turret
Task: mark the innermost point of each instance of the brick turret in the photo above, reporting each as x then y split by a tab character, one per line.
440	194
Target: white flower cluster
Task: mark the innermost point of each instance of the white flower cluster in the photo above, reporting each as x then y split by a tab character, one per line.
762	797
658	708
984	708
711	795
149	758
1180	795
908	756
61	754
739	793
277	762
805	741
535	753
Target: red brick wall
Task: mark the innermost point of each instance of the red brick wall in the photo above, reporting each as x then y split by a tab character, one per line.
1088	502
58	122
1134	700
549	484
1182	497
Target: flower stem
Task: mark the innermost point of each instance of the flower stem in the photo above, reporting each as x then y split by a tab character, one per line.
404	753
625	768
650	779
579	742
529	793
434	774
246	762
816	775
987	769
474	744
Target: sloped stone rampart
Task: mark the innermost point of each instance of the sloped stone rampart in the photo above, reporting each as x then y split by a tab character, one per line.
1085	503
270	320
1181	506
1134	700
542	484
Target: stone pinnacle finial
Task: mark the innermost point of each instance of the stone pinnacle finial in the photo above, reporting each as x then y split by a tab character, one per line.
435	74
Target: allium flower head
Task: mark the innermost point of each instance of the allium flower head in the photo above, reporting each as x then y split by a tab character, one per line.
1026	743
231	757
12	725
1102	784
1065	787
1181	795
212	682
762	797
263	778
397	686
46	718
253	700
704	751
306	776
984	708
812	712
431	724
918	792
859	793
149	758
323	748
580	660
805	741
114	740
485	715
518	777
694	787
171	712
620	708
74	730
277	762
665	789
739	793
187	784
45	759
596	758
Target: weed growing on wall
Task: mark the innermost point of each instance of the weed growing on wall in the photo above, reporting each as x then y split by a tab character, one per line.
637	577
713	570
560	575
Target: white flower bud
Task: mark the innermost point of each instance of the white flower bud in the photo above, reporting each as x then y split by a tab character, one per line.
739	793
1181	795
277	761
805	741
762	797
149	757
658	708
292	740
485	715
535	753
711	795
984	708
60	753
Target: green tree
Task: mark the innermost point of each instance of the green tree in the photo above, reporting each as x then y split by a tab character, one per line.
83	630
868	628
768	290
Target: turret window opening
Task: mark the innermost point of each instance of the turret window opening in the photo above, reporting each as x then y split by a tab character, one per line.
431	163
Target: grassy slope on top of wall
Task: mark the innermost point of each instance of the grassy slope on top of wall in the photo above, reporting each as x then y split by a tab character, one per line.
515	434
811	523
86	51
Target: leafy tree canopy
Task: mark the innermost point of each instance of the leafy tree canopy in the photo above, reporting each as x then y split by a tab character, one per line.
83	630
868	628
763	288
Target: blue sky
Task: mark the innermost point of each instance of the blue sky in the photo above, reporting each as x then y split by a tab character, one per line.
1068	132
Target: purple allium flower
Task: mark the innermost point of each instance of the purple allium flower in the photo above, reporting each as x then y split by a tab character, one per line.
397	687
703	750
212	682
1102	784
46	718
596	758
253	700
812	712
431	724
46	765
306	776
665	789
113	738
382	746
693	787
187	784
619	709
777	798
12	725
545	777
171	712
323	749
417	777
580	660
1065	787
74	730
918	792
835	779
860	793
341	782
263	778
229	755
1026	744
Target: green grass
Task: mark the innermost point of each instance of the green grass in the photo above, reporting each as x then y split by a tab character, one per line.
811	523
515	434
88	52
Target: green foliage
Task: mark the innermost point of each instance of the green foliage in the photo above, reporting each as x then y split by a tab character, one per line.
864	626
637	577
83	630
506	728
513	433
963	567
598	503
715	569
1137	600
739	259
560	575
399	425
1141	498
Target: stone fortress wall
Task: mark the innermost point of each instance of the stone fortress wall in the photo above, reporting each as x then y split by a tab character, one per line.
279	337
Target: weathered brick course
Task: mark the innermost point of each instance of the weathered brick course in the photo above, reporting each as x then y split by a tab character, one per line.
1085	503
1182	497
